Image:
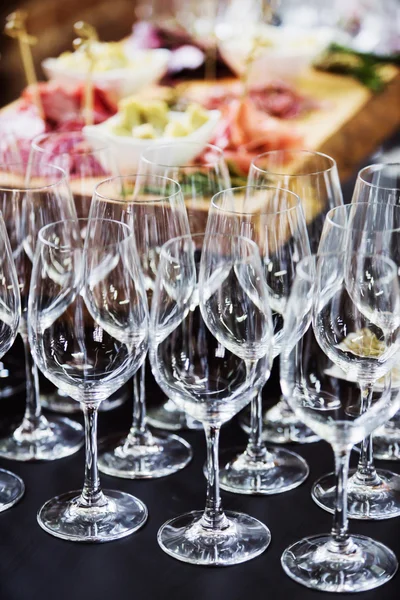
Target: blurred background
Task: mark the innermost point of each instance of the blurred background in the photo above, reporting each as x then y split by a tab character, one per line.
371	25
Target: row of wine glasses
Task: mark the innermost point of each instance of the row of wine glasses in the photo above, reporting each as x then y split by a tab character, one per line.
82	297
313	172
131	457
87	161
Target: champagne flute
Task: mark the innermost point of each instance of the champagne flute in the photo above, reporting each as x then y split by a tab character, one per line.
313	176
86	160
338	562
381	183
201	172
88	329
366	228
273	218
28	202
153	206
11	486
209	375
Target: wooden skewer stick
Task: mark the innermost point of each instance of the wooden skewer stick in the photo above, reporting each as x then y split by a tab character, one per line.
16	28
267	11
87	35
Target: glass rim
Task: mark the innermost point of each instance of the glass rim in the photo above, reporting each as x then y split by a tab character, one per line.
50	134
49	244
333	164
34	188
212	147
378	166
136	177
190	236
345	207
259	212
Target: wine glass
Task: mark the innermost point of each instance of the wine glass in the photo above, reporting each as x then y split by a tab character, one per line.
28	202
87	160
211	376
153	206
201	172
369	228
381	183
11	486
88	330
314	178
273	218
338	562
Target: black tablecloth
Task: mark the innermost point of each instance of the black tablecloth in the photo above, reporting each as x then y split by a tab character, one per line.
35	565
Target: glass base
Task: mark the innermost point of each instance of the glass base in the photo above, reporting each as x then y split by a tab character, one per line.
168	416
281	426
59	402
312	562
162	455
364	502
64	518
55	438
281	471
185	539
12	489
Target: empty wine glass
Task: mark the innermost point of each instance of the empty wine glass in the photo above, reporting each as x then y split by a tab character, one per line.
153	206
381	183
28	202
338	562
372	228
201	172
11	486
209	375
314	178
88	327
272	218
86	160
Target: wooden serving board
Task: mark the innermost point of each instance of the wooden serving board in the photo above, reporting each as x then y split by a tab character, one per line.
351	121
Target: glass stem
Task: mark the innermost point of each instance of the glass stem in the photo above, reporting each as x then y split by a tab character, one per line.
91	495
213	517
340	538
366	473
256	449
33	418
139	433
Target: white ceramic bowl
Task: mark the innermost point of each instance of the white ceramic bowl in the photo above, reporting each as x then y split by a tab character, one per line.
150	66
292	50
129	149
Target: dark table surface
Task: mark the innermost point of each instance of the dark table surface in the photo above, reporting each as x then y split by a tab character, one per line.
35	565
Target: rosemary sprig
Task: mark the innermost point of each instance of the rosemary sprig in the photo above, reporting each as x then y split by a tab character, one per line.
364	67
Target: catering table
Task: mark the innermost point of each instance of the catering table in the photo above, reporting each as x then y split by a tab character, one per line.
35	565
